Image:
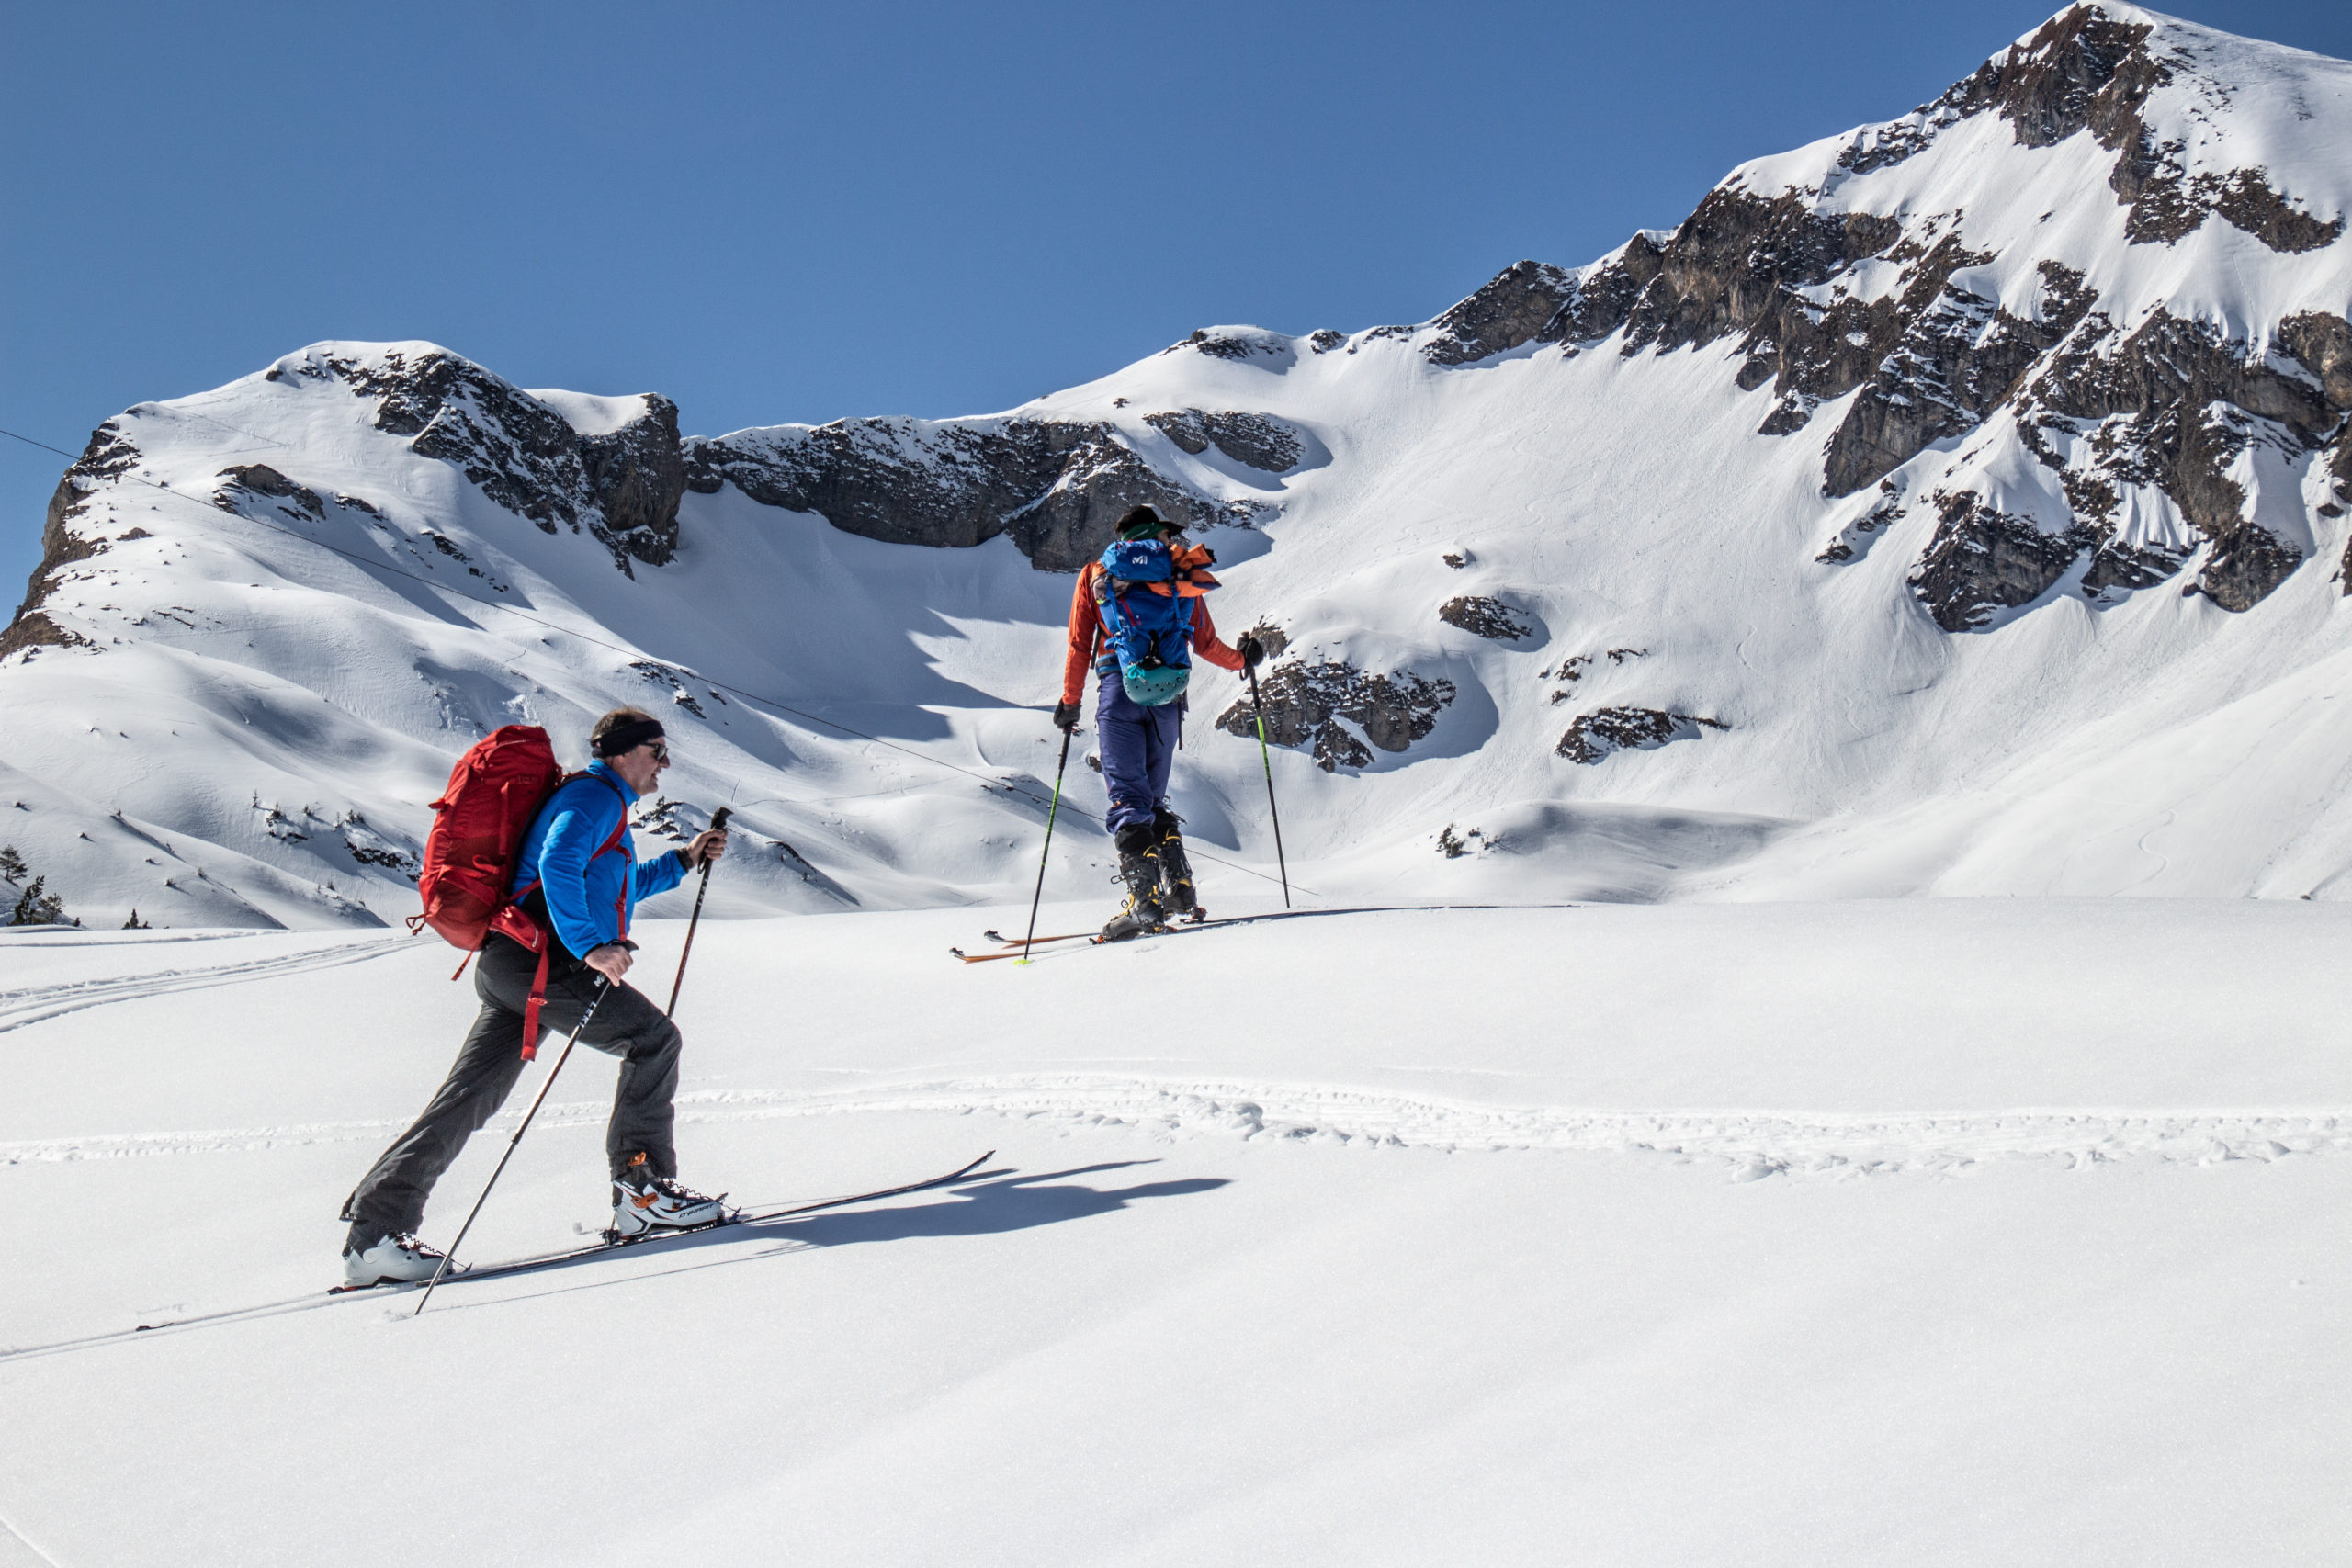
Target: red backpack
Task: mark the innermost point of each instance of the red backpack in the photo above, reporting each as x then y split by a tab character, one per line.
478	827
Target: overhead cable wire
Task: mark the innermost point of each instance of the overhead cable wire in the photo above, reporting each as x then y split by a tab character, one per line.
372	564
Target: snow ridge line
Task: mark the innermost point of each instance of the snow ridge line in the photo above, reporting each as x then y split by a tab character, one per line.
1753	1144
18	1008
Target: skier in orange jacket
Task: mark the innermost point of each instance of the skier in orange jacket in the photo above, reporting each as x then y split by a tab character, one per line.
1135	634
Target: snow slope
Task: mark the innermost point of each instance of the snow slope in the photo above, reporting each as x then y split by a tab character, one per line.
1947	507
1599	1235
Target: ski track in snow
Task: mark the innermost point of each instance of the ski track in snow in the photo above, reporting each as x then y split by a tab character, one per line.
18	1008
1752	1143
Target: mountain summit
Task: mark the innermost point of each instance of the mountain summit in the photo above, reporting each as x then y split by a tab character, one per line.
1952	505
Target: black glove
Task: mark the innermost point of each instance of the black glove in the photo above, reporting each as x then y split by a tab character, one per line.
1252	651
1066	716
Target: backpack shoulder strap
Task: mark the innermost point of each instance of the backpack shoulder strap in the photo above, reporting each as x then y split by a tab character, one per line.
619	827
612	839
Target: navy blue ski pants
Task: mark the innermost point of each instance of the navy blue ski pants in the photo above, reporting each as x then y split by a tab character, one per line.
1138	746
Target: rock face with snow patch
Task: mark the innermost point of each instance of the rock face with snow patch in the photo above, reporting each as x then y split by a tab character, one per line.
622	485
1827	297
108	456
1514	308
1058	487
1252	439
1483	617
1594	737
1304	703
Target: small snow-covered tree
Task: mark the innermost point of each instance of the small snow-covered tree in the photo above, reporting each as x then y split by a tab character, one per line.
36	907
135	923
12	864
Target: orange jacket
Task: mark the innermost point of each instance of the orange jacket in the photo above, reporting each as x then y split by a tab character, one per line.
1086	635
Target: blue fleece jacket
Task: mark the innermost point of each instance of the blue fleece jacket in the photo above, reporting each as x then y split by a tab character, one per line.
590	897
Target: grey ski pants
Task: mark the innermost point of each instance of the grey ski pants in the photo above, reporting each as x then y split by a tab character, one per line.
390	1200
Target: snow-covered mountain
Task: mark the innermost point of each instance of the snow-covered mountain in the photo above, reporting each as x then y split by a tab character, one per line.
1954	505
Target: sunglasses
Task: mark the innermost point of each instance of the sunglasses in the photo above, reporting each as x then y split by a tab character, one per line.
661	752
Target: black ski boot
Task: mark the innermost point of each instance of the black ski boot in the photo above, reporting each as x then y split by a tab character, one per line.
1175	870
1140	869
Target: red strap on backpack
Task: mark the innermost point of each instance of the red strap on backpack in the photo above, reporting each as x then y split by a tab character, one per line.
512	923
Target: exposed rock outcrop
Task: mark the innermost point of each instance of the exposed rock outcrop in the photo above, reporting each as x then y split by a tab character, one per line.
1059	488
1510	311
638	475
623	487
1254	440
260	478
1486	617
1958	357
2086	69
1984	561
1271	351
1595	736
1933	358
1305	704
2174	405
1731	267
110	454
1606	291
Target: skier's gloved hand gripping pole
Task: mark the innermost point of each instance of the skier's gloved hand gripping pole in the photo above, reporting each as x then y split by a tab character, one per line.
1253	653
603	986
719	825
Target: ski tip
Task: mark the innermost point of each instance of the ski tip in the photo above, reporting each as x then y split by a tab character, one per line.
959	953
995	935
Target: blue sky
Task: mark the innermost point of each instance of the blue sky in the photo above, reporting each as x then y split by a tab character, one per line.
782	211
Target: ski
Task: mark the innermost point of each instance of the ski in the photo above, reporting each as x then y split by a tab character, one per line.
313	1300
1020	947
612	1243
1016	947
997	936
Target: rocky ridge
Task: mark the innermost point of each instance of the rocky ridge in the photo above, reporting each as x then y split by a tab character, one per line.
623	486
1057	488
1824	301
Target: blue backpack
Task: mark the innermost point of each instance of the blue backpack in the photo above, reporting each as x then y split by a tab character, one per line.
1151	635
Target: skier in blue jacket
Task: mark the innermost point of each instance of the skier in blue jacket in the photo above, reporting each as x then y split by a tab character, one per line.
577	881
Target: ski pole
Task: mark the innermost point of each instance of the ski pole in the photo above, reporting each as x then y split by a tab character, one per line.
1051	812
718	824
1266	757
603	985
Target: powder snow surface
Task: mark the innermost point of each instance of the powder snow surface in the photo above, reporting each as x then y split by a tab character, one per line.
1931	1231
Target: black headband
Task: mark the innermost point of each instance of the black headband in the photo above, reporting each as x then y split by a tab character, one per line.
629	737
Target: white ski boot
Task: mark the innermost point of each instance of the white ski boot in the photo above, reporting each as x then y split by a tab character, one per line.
643	1202
394	1259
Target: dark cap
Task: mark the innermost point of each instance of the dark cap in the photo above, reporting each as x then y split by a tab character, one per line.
1143	522
627	736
